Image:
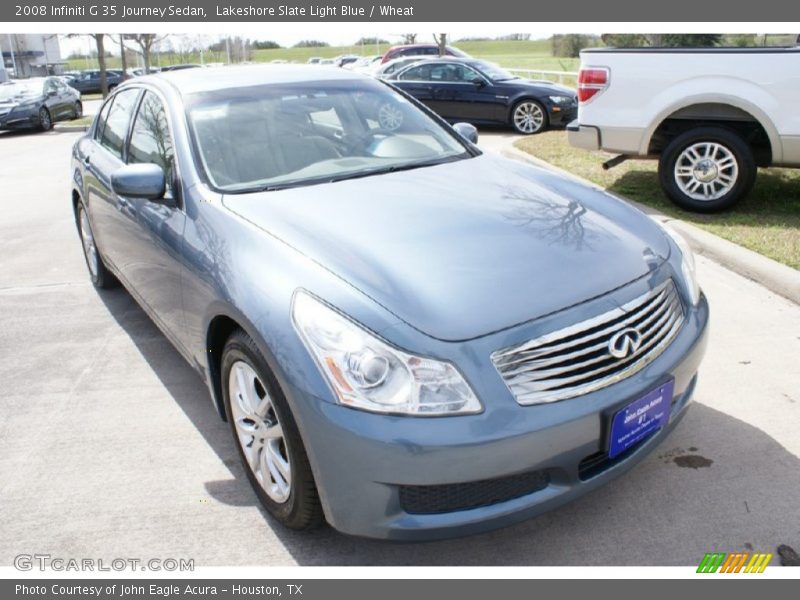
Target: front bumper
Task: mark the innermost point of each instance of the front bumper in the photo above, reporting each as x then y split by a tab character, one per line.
361	461
583	136
560	116
19	120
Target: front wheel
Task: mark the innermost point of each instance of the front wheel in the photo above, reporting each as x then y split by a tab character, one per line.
707	169
77	110
45	120
267	436
528	117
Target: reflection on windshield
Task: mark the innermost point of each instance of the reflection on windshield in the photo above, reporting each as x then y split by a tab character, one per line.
12	91
274	136
495	72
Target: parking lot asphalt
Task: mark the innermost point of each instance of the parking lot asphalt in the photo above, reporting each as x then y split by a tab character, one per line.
110	446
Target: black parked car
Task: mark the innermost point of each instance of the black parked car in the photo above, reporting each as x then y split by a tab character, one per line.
88	82
476	91
37	103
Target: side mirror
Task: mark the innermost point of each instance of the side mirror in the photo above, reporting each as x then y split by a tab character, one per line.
467	131
479	82
139	181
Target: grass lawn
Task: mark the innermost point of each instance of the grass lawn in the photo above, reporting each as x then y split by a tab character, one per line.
84	121
530	54
767	221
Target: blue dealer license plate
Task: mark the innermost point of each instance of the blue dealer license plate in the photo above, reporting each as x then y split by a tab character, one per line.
640	419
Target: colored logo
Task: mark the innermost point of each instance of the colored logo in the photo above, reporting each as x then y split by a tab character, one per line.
736	562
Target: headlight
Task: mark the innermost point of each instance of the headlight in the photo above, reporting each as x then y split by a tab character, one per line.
367	373
560	99
687	263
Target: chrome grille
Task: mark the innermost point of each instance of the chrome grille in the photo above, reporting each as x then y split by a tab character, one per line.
577	359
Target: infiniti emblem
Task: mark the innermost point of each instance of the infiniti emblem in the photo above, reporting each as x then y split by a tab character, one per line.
624	343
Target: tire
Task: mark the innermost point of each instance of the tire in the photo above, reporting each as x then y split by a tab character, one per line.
247	383
101	277
707	169
528	117
77	110
45	119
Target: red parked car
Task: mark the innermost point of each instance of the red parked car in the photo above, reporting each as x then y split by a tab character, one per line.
420	50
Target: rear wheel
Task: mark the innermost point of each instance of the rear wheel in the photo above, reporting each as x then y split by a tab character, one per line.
101	277
267	437
77	110
707	169
528	117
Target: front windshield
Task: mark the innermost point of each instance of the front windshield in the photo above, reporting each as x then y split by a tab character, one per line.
282	135
20	89
495	72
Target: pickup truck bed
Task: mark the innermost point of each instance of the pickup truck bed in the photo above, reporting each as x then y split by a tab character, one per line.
710	115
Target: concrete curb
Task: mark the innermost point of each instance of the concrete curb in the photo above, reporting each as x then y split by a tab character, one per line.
774	276
69	128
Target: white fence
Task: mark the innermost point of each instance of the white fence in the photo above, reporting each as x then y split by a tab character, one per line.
563	77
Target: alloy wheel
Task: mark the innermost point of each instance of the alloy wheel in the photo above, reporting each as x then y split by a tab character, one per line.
89	248
528	117
44	119
706	171
259	432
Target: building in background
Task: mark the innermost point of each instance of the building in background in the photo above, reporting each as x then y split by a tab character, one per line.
31	54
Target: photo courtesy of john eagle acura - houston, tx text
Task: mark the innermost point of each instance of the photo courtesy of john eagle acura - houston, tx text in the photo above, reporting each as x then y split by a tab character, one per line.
410	338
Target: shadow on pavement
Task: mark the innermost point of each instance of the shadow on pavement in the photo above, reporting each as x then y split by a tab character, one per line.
717	484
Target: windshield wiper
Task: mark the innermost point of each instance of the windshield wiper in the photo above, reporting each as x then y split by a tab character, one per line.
393	169
275	187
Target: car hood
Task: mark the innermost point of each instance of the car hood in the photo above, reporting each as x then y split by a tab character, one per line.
17	100
464	249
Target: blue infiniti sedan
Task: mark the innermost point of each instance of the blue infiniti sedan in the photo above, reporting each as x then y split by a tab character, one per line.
409	338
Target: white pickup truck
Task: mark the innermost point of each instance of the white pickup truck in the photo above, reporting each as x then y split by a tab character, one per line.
710	116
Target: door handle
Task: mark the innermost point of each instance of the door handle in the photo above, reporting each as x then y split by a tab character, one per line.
87	159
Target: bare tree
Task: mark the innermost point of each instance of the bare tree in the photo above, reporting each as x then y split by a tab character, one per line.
99	40
409	38
146	43
123	58
441	41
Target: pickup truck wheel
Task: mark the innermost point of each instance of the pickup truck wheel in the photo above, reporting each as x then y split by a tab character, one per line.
707	169
528	117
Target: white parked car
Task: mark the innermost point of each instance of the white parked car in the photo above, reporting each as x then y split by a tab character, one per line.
395	65
710	115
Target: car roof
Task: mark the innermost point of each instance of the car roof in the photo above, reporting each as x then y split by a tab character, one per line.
423	45
472	62
192	81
